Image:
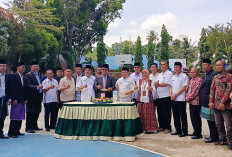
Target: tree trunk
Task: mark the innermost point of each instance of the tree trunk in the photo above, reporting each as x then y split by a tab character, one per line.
20	55
78	58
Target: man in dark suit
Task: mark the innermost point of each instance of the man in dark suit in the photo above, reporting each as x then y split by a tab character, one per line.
4	96
59	74
204	93
34	96
104	84
17	91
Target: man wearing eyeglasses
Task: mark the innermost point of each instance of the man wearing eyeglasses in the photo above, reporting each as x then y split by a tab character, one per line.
104	84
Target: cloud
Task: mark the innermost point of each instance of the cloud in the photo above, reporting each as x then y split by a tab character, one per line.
156	21
132	23
114	24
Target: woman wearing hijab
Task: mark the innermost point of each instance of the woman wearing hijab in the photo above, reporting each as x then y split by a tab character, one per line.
146	107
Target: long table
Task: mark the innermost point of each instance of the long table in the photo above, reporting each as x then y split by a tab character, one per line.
102	121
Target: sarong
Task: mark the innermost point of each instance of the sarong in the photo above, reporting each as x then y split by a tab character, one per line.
17	112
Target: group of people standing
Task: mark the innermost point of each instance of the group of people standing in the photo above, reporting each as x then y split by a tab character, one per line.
25	94
208	97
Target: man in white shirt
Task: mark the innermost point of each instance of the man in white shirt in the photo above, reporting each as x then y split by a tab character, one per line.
125	86
154	78
136	76
50	89
85	85
164	104
77	76
178	87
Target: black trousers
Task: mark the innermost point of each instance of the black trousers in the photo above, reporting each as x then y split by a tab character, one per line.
15	126
51	112
135	100
195	119
31	120
180	116
164	112
213	130
2	124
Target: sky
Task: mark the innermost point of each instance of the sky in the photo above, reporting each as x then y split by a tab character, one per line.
181	17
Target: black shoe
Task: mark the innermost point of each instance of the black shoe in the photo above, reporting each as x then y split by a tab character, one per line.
221	142
229	146
183	135
20	134
30	131
207	138
37	128
210	140
47	129
52	127
13	136
175	133
193	134
196	137
160	129
3	136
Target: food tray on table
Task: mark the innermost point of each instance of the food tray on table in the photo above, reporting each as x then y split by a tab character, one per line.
102	100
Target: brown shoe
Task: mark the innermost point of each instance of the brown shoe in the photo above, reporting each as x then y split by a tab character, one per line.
167	131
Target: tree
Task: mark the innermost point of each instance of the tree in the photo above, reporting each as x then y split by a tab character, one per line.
11	34
125	47
41	46
176	44
164	47
138	52
203	45
36	14
153	35
86	21
150	52
101	52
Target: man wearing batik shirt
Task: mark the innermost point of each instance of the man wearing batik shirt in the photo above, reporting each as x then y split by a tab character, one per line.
192	97
219	101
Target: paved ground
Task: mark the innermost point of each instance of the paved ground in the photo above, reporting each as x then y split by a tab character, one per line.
165	144
38	145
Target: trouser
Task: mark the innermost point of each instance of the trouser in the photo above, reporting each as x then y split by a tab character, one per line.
213	130
180	116
222	117
156	102
164	113
31	120
135	100
51	111
195	118
2	119
15	126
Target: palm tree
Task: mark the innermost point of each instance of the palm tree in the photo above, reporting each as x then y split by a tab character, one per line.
153	35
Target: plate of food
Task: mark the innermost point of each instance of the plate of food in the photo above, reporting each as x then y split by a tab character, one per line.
104	90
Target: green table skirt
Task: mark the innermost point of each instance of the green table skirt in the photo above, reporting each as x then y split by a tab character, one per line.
99	122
